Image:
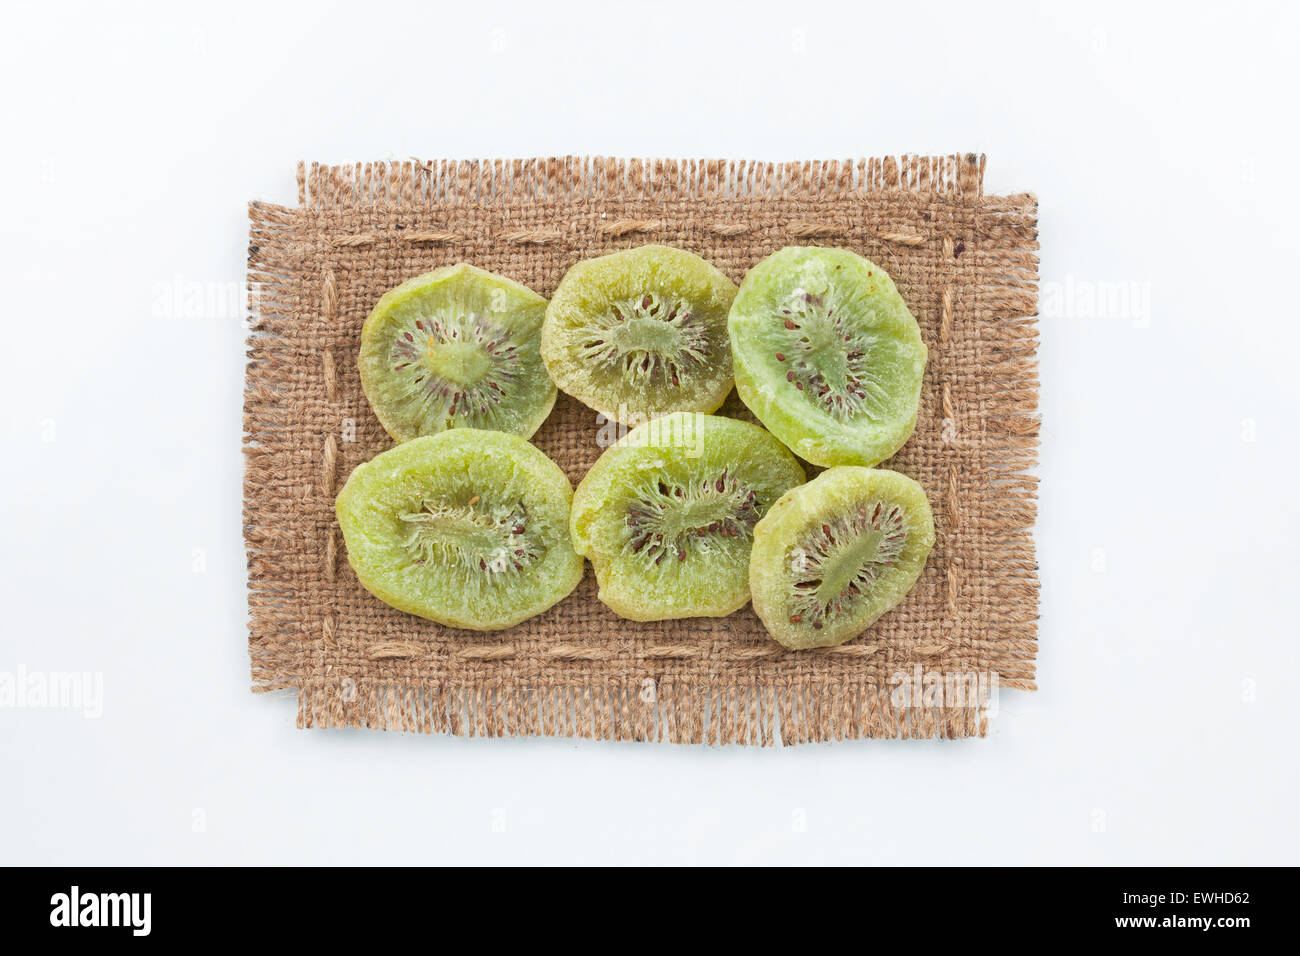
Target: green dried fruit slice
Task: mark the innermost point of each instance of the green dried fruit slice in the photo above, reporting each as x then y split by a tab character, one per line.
827	355
641	333
456	348
468	528
832	556
667	514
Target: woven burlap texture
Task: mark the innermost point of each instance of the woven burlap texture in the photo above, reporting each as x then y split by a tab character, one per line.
965	263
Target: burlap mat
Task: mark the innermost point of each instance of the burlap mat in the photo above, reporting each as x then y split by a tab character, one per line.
966	265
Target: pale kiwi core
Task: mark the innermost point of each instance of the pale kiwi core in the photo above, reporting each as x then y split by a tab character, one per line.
461	363
648	339
472	538
840	560
454	361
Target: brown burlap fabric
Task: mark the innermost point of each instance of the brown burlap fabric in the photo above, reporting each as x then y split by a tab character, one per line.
965	263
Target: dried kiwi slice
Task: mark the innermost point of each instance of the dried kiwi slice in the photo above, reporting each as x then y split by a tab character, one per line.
832	556
827	355
468	528
667	514
456	348
641	333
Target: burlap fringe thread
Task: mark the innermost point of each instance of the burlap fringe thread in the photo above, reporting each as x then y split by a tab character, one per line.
665	713
786	709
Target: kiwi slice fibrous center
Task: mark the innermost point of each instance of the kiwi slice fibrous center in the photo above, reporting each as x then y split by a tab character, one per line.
826	355
651	337
669	520
455	362
474	537
835	564
461	363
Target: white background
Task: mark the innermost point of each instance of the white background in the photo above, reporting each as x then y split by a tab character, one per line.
1161	142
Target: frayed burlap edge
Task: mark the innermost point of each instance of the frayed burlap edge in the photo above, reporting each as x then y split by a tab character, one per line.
731	700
